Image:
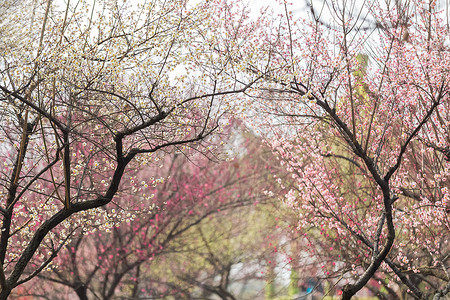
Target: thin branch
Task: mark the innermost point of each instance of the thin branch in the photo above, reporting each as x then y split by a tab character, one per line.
55	121
408	140
46	262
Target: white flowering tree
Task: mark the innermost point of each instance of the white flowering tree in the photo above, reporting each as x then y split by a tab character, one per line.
93	90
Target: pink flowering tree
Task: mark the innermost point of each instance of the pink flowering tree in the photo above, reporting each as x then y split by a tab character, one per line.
90	93
183	207
366	140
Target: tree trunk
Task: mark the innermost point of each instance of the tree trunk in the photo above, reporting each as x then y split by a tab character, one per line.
81	291
4	294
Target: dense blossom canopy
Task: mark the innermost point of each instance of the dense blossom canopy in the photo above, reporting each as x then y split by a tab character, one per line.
361	107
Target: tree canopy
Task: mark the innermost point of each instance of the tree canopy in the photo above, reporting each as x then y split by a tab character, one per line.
141	130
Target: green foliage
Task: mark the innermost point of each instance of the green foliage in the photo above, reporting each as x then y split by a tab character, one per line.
293	284
363	60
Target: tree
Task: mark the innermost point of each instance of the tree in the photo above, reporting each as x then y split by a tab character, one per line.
93	91
367	147
199	209
221	258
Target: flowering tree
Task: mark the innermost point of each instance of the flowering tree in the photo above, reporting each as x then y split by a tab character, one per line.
92	91
366	139
188	209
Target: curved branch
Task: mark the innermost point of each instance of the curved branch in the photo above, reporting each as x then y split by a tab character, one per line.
55	121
